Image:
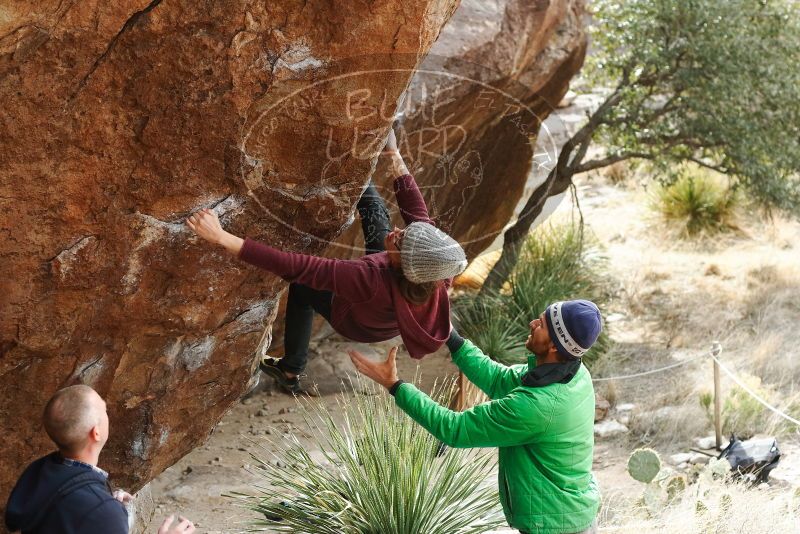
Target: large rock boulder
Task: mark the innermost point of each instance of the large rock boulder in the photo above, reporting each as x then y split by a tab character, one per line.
474	109
119	119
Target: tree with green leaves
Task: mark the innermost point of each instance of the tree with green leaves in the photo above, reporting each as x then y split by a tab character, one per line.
713	82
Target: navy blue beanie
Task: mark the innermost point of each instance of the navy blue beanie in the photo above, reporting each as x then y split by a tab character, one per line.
574	326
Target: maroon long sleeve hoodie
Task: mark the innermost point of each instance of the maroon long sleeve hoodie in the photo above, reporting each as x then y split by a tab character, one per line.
367	303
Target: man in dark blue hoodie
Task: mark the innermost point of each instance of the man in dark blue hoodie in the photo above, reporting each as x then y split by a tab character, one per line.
65	492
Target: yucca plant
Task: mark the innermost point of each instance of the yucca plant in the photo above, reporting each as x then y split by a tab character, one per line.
382	475
557	263
491	323
699	201
551	268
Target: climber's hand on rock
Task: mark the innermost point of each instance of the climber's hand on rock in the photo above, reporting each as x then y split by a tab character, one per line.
397	165
123	496
205	224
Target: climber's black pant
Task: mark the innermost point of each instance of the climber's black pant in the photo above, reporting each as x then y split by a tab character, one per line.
303	301
374	219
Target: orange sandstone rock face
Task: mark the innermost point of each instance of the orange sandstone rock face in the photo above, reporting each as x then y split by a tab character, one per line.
121	118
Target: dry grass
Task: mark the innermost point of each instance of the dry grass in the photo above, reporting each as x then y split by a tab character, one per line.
679	295
762	347
671	426
619	173
710	507
608	390
774	308
667	414
754	312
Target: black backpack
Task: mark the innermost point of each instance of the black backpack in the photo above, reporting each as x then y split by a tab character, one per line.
753	459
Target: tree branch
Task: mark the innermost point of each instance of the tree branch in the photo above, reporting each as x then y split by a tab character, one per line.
718	168
640	120
610	160
582	150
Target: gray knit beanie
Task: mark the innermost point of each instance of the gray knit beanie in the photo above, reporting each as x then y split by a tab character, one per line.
427	254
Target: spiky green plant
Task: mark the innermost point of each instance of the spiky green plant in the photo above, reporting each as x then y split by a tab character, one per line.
382	476
558	263
644	465
491	325
698	200
551	265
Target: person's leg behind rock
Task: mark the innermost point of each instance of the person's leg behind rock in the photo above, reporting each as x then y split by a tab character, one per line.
301	304
375	221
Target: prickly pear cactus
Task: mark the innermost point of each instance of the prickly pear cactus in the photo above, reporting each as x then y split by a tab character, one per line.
675	486
654	499
715	469
644	465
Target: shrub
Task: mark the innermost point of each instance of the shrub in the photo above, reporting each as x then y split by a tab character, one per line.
383	476
619	172
488	323
743	415
698	201
714	504
555	264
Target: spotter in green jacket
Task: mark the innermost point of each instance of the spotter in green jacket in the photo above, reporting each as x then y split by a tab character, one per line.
541	417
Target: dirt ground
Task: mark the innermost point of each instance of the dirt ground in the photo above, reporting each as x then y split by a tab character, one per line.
668	300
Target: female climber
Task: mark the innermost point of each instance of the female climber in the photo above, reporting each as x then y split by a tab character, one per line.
399	287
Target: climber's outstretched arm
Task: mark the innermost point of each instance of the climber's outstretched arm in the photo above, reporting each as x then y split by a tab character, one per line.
409	199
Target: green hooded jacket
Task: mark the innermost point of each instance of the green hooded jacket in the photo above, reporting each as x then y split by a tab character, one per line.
545	436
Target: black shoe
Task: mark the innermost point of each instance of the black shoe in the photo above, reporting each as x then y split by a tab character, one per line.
289	385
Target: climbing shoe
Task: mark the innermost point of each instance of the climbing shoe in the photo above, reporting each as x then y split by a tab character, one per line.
290	385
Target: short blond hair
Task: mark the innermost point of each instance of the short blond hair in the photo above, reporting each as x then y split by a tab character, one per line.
69	416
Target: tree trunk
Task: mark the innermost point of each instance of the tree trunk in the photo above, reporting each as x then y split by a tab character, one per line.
556	183
559	179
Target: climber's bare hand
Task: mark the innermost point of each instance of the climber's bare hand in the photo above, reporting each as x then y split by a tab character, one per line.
205	224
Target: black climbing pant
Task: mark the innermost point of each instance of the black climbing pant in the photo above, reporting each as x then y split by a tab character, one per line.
303	301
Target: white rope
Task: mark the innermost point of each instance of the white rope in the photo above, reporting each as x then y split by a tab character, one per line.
650	372
753	393
716	350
